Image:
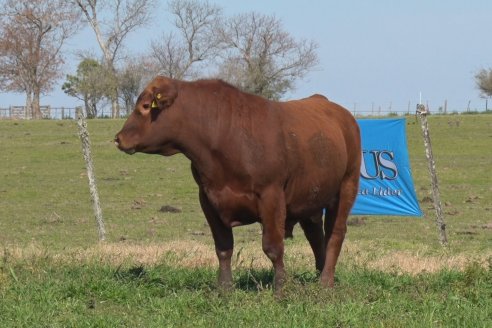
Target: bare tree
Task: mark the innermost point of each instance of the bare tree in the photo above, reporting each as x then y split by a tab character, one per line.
484	82
262	57
32	34
195	43
136	73
252	51
121	17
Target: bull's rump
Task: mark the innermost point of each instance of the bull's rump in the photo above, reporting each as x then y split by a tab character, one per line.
322	147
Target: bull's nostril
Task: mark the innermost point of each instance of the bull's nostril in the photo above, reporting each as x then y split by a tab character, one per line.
116	140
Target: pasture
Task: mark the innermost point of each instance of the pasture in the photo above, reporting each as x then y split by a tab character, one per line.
158	267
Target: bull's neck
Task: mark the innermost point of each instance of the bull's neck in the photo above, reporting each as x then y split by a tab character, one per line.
199	115
213	116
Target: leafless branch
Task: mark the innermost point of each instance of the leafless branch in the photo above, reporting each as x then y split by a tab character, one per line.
194	42
122	18
262	57
32	35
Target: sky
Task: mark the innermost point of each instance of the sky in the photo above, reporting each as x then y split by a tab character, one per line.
373	55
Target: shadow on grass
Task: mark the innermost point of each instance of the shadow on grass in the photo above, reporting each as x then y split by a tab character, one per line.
133	273
251	280
261	279
167	277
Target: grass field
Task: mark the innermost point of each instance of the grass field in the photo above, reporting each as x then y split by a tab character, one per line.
158	268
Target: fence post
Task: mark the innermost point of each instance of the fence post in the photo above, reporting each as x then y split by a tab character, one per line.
86	148
441	226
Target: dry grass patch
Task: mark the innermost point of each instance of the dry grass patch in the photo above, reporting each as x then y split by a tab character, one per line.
404	262
413	263
194	254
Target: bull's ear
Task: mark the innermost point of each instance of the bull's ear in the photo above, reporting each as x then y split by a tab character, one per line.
164	95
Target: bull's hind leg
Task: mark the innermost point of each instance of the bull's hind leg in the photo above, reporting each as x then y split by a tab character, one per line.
224	242
313	230
336	226
273	215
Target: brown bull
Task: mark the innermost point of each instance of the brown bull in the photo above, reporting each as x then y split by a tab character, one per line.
255	160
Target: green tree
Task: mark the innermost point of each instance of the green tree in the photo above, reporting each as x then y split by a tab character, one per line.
112	22
484	82
88	85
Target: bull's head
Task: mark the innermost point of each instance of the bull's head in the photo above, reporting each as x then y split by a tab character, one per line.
153	122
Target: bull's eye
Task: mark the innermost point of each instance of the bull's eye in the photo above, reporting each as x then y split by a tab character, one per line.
146	106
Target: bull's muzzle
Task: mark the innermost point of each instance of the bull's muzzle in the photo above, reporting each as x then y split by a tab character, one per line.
119	144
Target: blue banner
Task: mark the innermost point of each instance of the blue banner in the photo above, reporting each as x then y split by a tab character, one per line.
386	185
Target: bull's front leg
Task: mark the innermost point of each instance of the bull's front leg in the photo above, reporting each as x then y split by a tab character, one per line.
225	272
224	242
272	214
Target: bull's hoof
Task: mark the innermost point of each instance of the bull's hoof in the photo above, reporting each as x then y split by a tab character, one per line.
327	282
225	289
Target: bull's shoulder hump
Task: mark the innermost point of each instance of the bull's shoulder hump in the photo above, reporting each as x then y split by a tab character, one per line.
317	95
305	102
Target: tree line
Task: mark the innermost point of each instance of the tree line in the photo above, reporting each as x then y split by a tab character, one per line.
250	50
483	80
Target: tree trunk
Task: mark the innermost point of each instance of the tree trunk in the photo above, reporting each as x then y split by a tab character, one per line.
28	109
36	107
93	109
88	113
115	108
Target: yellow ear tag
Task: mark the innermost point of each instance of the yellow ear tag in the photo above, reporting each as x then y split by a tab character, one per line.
154	103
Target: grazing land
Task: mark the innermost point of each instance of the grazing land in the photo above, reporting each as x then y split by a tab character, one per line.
157	267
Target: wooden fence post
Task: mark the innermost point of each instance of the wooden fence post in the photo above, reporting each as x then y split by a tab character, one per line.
86	148
441	226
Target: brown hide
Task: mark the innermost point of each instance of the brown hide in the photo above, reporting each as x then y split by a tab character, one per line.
255	160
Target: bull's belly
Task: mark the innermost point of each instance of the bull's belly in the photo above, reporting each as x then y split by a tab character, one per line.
302	202
235	208
301	210
240	207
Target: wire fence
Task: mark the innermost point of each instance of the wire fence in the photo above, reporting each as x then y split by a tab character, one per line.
48	112
70	113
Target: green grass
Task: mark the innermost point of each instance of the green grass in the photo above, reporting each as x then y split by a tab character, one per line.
44	195
54	273
45	293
